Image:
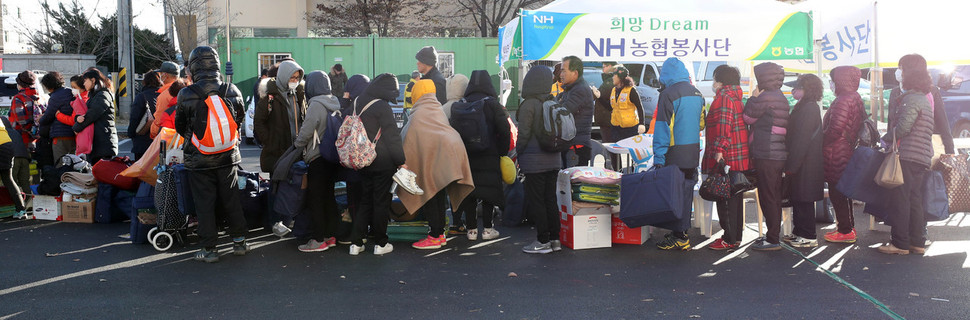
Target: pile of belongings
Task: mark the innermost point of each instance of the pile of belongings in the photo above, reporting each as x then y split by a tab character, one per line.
595	185
79	185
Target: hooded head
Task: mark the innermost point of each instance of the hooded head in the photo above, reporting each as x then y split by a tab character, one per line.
456	86
673	71
423	87
537	82
770	75
204	64
480	86
317	84
846	79
285	72
384	87
356	85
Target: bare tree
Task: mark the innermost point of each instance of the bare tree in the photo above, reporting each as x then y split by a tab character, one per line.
72	29
359	18
489	15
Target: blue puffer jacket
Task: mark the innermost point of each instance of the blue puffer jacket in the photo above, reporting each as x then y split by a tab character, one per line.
680	118
60	101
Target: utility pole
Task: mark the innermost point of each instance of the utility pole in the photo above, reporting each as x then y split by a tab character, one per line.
168	22
124	93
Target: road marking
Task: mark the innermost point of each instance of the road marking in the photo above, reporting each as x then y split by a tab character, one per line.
487	243
88	249
438	252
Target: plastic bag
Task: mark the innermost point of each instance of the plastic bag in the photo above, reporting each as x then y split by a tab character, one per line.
144	168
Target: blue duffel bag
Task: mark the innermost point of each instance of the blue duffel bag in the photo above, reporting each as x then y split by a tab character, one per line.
858	179
653	198
936	203
144	197
288	197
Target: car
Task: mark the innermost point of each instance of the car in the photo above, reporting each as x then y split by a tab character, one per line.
955	90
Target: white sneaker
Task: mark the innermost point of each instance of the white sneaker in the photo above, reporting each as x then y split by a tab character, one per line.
406	179
355	250
280	230
489	234
472	235
800	242
381	250
556	245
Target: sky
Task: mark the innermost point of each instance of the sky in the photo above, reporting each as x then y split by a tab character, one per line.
148	13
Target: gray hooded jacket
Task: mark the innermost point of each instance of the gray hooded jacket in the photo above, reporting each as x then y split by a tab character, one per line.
321	104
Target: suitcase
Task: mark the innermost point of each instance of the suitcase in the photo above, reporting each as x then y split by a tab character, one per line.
857	180
654	198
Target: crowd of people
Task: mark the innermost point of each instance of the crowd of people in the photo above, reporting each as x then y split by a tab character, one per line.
787	147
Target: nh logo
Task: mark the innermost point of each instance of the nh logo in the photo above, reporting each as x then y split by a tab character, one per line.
542	19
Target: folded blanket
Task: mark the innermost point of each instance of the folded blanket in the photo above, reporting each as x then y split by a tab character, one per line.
83	180
75	189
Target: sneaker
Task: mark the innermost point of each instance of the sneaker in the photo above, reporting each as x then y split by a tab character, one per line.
355	250
556	245
240	248
430	243
836	236
538	247
381	250
472	235
789	238
207	255
672	242
489	234
331	242
720	245
280	230
889	248
457	230
800	242
762	244
406	179
20	215
314	246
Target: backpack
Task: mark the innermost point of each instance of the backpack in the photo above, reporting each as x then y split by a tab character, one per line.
328	142
868	134
558	127
468	118
355	149
221	131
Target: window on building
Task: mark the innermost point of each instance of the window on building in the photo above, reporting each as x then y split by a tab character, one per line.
274	32
267	60
446	63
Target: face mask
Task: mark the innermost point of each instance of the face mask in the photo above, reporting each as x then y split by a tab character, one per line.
899	75
293	85
75	92
797	94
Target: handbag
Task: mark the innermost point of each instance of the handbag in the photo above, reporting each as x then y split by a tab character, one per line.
890	174
717	185
109	171
740	181
857	181
956	176
654	198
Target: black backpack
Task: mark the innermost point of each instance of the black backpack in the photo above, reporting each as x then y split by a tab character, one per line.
469	119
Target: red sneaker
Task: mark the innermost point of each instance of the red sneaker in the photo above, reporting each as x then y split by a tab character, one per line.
720	245
430	243
836	236
331	242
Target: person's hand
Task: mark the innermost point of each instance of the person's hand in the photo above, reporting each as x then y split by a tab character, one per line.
80	118
718	157
757	92
641	129
404	166
346	95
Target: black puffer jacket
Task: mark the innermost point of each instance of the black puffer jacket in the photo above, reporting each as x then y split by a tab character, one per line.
101	114
578	98
379	117
486	170
191	115
768	112
440	85
535	90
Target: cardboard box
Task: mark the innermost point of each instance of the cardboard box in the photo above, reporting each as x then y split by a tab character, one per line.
47	208
585	225
82	212
626	235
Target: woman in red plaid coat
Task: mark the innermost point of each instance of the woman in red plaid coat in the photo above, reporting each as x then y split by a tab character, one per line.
727	140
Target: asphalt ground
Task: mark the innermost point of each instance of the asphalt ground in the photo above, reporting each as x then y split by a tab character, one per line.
54	270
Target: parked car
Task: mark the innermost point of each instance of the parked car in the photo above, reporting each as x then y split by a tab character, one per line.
955	89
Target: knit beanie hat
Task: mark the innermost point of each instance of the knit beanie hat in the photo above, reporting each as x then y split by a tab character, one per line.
427	55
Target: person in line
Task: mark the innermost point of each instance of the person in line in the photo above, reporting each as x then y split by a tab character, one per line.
100	116
841	127
321	174
79	106
338	80
166	117
11	143
21	115
456	91
911	128
212	162
804	168
374	204
408	89
167	74
485	166
727	141
602	108
143	105
355	87
767	113
428	66
435	151
626	110
941	121
578	98
61	135
676	141
540	168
